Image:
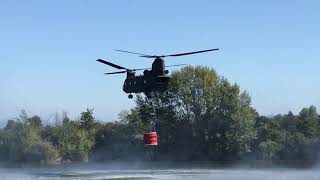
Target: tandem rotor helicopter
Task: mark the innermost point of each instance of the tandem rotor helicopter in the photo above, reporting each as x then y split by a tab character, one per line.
153	79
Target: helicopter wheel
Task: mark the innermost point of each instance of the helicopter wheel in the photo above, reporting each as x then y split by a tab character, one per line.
130	96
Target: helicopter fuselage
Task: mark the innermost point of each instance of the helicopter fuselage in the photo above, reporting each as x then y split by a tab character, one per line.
154	80
146	83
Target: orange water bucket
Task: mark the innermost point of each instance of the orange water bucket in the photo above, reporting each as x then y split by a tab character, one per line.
150	138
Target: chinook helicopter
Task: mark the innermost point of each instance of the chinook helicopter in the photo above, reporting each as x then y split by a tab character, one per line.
153	79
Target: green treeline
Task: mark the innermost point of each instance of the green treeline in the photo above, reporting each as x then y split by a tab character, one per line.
202	117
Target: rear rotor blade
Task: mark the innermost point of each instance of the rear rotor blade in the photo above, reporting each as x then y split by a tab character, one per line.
110	64
188	53
119	72
150	56
140	69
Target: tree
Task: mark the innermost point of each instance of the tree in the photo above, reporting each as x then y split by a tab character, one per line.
35	122
87	120
123	116
74	143
23	140
308	122
269	148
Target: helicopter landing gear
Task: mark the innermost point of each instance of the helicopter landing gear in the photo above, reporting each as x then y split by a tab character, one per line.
130	96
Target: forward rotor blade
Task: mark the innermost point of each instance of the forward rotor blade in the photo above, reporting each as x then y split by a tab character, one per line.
165	66
188	53
131	52
119	72
110	64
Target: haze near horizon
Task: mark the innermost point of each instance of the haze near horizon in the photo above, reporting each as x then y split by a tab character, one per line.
48	51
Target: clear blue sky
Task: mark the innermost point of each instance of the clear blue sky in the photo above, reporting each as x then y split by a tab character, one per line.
48	50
